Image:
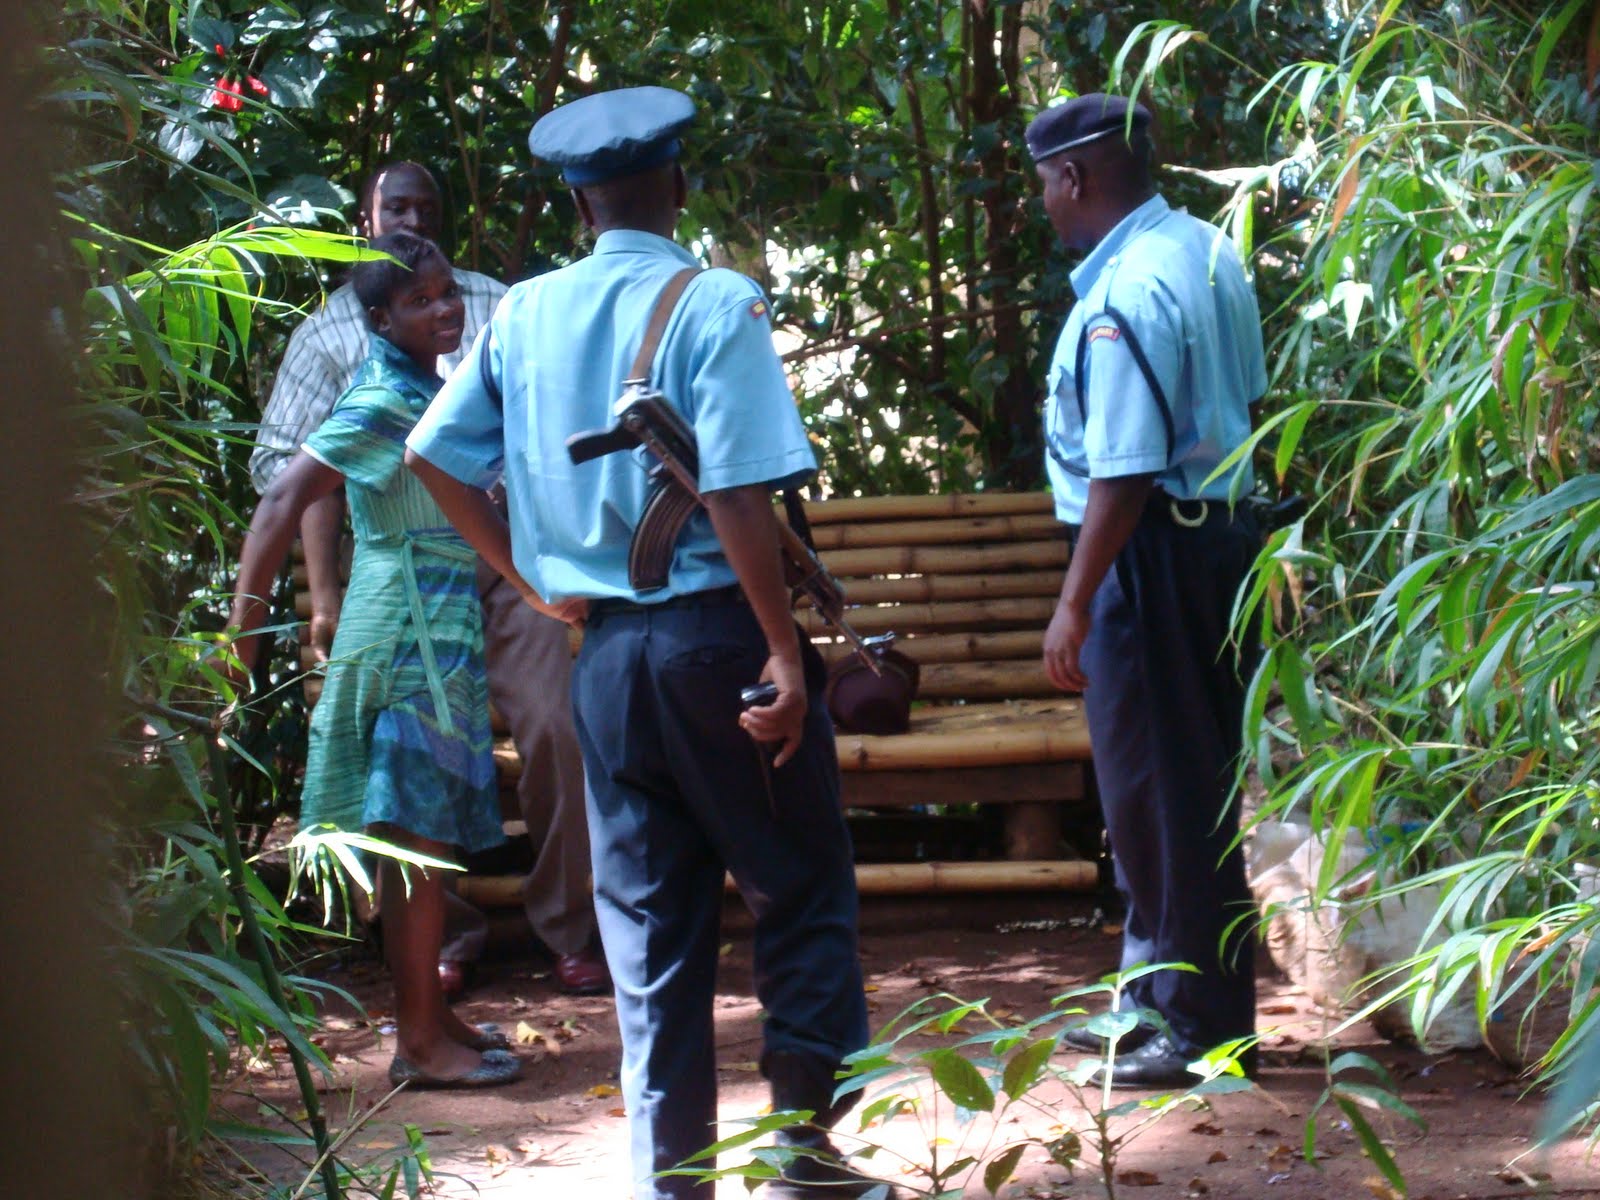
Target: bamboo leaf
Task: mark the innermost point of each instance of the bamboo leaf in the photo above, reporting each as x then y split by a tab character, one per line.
1553	29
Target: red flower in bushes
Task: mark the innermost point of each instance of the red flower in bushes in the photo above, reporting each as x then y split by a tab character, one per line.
228	95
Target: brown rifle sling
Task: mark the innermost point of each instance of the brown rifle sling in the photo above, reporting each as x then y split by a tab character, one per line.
667	301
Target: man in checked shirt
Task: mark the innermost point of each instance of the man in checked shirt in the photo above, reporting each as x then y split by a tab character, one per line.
529	660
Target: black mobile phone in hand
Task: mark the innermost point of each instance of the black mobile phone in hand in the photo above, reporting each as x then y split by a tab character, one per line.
757	695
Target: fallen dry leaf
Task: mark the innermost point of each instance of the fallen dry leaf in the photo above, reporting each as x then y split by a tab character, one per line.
601	1090
1138	1179
1218	1156
499	1159
1210	1129
1277	1010
1515	1175
743	1066
616	1112
1198	1187
1381	1188
527	1035
871	987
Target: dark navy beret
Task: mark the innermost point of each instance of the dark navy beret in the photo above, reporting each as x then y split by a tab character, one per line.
1079	121
610	134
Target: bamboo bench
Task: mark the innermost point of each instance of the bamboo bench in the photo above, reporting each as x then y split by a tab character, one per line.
967	583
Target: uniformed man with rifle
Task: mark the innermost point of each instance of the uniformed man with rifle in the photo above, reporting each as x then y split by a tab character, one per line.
685	781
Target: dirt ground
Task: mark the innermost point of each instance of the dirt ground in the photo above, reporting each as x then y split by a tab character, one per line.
560	1131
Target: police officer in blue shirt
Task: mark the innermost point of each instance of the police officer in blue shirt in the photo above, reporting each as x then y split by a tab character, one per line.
1149	391
683	786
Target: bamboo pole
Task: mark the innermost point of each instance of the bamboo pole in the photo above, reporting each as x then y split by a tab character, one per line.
874	879
1031	613
1063	741
929	560
925	588
955	647
889	508
1011	733
1011	679
1019	528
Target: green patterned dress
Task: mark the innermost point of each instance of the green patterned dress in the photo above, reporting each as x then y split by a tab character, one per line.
401	734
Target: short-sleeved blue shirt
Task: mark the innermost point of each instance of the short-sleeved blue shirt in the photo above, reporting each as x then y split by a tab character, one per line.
557	351
1179	283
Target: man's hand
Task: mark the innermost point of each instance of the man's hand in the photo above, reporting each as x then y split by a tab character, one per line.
1113	511
1063	641
782	721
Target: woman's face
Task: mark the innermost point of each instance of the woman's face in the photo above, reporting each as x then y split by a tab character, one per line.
425	314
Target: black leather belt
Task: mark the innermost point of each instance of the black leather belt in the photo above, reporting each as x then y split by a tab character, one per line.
1186	514
710	598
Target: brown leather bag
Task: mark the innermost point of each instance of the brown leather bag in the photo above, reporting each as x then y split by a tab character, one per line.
861	702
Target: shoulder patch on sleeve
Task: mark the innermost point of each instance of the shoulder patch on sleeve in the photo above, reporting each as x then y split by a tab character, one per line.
1104	331
758	309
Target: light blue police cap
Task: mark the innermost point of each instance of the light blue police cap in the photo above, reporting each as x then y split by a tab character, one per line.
611	134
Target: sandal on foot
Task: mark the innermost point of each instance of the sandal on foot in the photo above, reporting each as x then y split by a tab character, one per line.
497	1068
490	1037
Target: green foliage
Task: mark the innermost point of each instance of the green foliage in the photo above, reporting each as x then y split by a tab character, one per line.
973	1096
1414	185
1430	628
1355	1098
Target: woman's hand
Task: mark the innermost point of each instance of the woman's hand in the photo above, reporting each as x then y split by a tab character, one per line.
574	611
324	625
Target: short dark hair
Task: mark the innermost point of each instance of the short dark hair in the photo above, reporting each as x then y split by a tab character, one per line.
633	199
377	279
369	185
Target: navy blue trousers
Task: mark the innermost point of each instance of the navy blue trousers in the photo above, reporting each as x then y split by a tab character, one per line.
1165	705
678	793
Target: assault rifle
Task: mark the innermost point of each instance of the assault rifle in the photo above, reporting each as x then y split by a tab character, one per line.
644	418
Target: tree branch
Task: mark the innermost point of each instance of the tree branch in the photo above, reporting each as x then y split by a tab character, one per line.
859	340
533	199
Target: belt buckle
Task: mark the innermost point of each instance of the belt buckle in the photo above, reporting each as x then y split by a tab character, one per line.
1188	522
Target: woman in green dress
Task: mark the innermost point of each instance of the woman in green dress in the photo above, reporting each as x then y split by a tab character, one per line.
400	741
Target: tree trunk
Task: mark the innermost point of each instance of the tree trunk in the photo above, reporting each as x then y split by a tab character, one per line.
1011	438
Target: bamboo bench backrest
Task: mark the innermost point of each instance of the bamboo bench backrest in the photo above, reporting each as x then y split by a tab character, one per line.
966	582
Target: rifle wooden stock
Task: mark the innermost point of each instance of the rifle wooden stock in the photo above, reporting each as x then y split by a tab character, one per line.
645	418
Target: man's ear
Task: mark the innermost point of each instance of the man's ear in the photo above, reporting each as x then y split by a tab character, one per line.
1072	175
584	211
379	318
680	187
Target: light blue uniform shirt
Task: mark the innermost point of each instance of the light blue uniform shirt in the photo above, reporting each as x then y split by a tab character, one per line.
557	350
1180	284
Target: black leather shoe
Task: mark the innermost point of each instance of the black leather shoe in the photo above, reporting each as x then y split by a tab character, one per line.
1159	1063
807	1178
1087	1041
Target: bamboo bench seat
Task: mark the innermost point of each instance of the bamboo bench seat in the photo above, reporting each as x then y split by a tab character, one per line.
968	584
